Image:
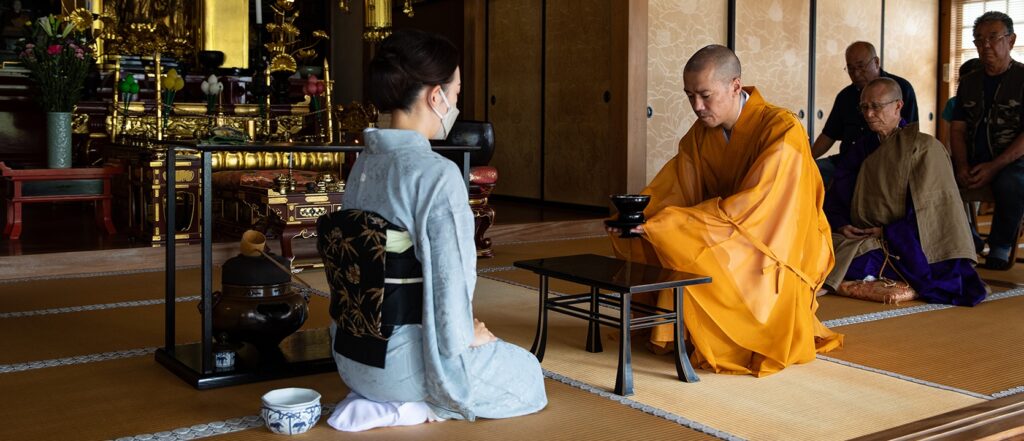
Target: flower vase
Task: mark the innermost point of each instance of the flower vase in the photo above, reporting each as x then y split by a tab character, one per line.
58	139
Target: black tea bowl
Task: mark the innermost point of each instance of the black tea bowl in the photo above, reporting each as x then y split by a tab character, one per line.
631	212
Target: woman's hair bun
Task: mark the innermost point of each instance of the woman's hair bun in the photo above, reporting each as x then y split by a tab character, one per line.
406	62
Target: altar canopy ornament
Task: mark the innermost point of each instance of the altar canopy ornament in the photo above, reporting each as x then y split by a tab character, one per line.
378	17
58	52
285	36
145	28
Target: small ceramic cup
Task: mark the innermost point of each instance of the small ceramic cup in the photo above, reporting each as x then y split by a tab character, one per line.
291	411
224	359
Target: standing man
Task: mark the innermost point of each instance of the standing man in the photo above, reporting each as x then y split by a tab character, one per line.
986	133
740	202
845	123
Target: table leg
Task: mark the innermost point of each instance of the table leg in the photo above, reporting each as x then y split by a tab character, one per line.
624	377
9	213
683	368
103	219
542	322
593	328
15	230
286	235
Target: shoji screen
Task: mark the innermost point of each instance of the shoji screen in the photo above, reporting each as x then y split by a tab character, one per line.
911	51
676	29
772	42
839	23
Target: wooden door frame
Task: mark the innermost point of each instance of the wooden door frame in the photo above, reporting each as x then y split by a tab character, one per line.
628	113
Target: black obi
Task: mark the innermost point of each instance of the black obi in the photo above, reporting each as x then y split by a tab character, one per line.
351	243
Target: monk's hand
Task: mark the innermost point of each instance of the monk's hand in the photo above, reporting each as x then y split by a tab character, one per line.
982	174
853	233
481	335
872	232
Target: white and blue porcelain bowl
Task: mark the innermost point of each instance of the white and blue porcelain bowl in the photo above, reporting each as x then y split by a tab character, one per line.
291	411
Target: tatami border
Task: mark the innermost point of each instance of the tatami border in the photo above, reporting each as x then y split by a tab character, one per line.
904	377
96	307
645	408
893	313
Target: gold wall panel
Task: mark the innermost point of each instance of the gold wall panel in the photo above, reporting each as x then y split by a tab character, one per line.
676	29
514	79
577	151
839	23
911	51
226	29
772	39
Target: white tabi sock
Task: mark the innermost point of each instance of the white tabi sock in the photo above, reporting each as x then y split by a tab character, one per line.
356	414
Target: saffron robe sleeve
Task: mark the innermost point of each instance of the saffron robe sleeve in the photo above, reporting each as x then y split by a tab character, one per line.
748	213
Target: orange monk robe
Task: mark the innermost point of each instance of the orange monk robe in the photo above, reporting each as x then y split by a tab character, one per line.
746	212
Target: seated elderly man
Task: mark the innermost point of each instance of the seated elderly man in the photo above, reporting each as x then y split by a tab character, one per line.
895	209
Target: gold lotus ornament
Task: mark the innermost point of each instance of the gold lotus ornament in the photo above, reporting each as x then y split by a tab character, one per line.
284	63
285	35
81	19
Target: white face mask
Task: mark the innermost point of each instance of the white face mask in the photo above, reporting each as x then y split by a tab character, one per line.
447	120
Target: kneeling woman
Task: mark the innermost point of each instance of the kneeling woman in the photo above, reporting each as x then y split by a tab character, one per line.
441	356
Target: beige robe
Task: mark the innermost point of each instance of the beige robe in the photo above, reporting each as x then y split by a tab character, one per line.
915	162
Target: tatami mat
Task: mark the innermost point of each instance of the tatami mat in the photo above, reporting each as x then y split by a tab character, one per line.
89	332
111	399
971	349
977	349
571	414
78	291
819	400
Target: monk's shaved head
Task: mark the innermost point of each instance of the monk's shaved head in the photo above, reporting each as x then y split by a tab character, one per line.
717	57
881	102
887	88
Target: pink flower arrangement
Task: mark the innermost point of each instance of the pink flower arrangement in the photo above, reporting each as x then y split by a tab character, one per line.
58	55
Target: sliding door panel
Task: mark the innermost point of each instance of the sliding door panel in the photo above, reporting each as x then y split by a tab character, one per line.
912	51
577	57
514	103
839	23
772	42
675	31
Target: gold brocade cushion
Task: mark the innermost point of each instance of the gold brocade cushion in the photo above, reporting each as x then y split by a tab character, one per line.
231	179
881	290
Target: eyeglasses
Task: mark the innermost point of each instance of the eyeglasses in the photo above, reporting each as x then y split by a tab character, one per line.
865	107
859	67
990	40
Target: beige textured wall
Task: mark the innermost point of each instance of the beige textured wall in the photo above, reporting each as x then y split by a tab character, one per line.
772	39
577	156
676	29
911	51
839	23
514	82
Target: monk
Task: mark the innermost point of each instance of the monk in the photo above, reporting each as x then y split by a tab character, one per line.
740	202
895	208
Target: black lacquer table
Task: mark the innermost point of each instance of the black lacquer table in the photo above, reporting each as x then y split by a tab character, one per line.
622	279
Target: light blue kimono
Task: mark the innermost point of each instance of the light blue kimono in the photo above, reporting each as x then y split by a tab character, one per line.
400	178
